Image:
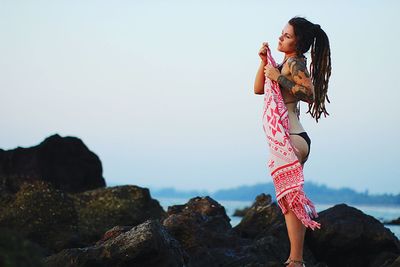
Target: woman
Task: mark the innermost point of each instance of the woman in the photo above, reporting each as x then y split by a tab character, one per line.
296	84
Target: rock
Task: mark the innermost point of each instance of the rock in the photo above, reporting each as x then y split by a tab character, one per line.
393	222
101	209
203	229
65	162
260	216
240	212
113	232
348	237
147	244
43	215
265	224
17	251
396	263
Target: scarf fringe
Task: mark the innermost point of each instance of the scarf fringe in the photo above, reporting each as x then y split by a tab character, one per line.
301	206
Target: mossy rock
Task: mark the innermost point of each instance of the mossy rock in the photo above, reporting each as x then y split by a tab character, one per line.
101	209
43	215
16	251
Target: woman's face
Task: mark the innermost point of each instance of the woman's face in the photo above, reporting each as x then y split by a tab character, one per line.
287	40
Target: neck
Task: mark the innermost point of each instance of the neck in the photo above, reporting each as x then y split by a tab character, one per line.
292	54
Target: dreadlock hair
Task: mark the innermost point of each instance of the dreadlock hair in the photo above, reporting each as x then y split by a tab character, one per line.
311	35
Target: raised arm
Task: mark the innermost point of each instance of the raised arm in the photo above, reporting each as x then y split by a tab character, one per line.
301	85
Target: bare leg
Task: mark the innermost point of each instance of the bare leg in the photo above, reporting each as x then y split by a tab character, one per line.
296	231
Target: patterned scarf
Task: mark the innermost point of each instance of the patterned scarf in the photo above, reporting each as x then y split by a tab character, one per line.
285	168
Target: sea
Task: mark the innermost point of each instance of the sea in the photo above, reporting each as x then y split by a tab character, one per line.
381	213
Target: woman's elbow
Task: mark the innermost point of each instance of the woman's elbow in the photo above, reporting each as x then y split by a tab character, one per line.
258	90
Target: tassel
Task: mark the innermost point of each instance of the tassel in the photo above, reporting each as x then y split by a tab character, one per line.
301	206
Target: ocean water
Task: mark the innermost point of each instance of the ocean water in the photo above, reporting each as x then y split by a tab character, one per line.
381	213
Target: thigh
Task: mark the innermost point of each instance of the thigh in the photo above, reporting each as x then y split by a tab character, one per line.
301	146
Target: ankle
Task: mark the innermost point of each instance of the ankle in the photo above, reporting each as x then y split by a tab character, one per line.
295	262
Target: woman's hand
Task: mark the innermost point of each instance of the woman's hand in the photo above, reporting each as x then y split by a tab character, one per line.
263	52
271	72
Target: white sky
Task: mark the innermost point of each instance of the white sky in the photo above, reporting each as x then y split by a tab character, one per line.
162	91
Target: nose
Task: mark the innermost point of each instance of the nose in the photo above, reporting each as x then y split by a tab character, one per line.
280	38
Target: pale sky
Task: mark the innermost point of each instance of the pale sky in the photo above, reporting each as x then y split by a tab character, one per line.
162	91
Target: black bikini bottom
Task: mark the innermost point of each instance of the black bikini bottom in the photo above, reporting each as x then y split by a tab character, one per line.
308	140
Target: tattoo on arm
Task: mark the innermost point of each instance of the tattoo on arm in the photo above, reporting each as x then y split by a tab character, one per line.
285	83
301	86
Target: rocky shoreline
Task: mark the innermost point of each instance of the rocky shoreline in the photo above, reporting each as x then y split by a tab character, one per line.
56	211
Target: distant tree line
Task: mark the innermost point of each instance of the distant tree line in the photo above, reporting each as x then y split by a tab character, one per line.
318	193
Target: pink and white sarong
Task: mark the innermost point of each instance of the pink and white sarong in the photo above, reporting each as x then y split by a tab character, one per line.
285	168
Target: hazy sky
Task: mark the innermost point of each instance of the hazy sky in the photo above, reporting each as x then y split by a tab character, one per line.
162	91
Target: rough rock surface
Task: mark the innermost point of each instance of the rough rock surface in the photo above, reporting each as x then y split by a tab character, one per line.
348	237
203	229
16	251
147	244
101	209
43	215
65	162
264	223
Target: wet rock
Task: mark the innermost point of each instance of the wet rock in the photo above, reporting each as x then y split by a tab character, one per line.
65	162
43	215
147	244
348	237
101	209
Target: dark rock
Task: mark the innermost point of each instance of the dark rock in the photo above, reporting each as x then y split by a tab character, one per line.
393	222
265	224
43	215
101	209
201	226
113	232
396	263
348	237
260	216
203	229
240	212
15	251
147	244
65	162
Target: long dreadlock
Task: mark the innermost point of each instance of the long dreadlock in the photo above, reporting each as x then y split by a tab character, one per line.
311	35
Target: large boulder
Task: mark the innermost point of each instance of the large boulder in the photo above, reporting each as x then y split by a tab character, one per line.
65	162
101	209
43	215
262	215
147	244
348	237
204	230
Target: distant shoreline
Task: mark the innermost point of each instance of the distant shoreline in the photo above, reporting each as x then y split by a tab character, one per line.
320	194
